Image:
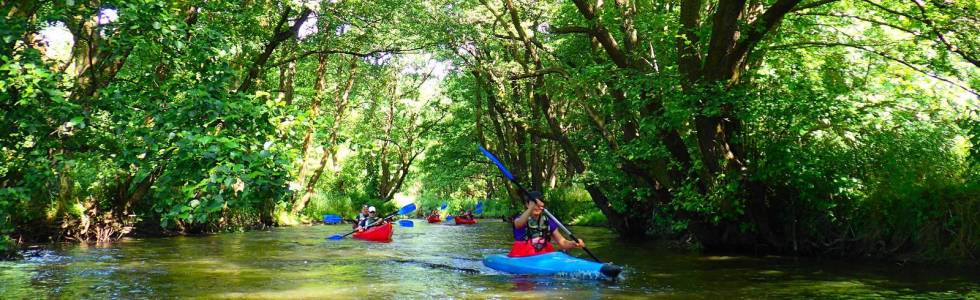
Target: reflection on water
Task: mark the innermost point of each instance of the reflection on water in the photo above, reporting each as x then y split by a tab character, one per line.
437	261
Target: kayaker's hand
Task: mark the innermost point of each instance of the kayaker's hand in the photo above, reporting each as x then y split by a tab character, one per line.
532	204
580	244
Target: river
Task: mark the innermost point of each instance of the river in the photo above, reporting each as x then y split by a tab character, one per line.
441	261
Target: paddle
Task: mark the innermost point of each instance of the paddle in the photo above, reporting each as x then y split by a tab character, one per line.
449	218
521	188
444	205
406	223
479	208
403	211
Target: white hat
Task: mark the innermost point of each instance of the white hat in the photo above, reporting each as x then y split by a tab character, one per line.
371	209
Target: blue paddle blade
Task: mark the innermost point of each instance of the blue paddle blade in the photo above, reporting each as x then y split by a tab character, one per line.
406	223
496	162
449	218
335	237
478	210
444	205
407	209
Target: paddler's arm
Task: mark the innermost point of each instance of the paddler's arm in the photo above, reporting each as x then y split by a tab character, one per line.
565	244
522	220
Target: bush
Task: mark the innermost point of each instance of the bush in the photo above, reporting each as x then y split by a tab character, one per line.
573	205
592	218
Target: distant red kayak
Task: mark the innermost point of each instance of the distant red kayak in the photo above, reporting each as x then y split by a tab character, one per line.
433	219
376	234
461	221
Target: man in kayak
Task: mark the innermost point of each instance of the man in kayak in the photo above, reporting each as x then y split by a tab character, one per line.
534	232
371	218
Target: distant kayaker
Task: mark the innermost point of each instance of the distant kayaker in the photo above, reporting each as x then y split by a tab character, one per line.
433	217
534	232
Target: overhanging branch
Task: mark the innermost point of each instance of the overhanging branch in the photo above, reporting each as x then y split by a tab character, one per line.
542	72
866	48
571	29
813	5
773	15
348	52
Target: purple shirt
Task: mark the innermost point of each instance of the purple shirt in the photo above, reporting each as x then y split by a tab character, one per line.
519	233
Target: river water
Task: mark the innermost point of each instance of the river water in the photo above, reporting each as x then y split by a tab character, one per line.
441	261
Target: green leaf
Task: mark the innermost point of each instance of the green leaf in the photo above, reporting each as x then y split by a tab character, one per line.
78	122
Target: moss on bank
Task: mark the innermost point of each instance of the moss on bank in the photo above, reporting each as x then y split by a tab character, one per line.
8	249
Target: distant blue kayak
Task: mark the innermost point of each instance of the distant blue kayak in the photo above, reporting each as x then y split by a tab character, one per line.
332	219
554	263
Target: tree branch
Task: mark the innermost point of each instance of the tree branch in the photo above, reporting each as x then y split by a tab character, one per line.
892	11
535	41
278	37
571	29
542	72
865	19
866	48
764	24
813	5
942	38
601	34
345	51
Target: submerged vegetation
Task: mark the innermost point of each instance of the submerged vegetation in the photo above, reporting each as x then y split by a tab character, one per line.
806	127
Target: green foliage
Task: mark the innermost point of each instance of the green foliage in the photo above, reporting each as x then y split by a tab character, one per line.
852	127
574	206
8	197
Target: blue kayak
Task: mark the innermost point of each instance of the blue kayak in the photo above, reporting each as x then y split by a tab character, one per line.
554	263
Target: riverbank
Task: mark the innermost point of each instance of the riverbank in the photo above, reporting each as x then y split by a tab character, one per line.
8	249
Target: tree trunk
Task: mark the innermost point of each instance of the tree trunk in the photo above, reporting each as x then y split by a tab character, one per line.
319	90
286	88
340	102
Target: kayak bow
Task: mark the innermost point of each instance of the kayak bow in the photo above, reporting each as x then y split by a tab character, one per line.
433	219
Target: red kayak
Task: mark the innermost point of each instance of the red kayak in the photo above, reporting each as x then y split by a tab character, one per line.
461	221
376	234
433	219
